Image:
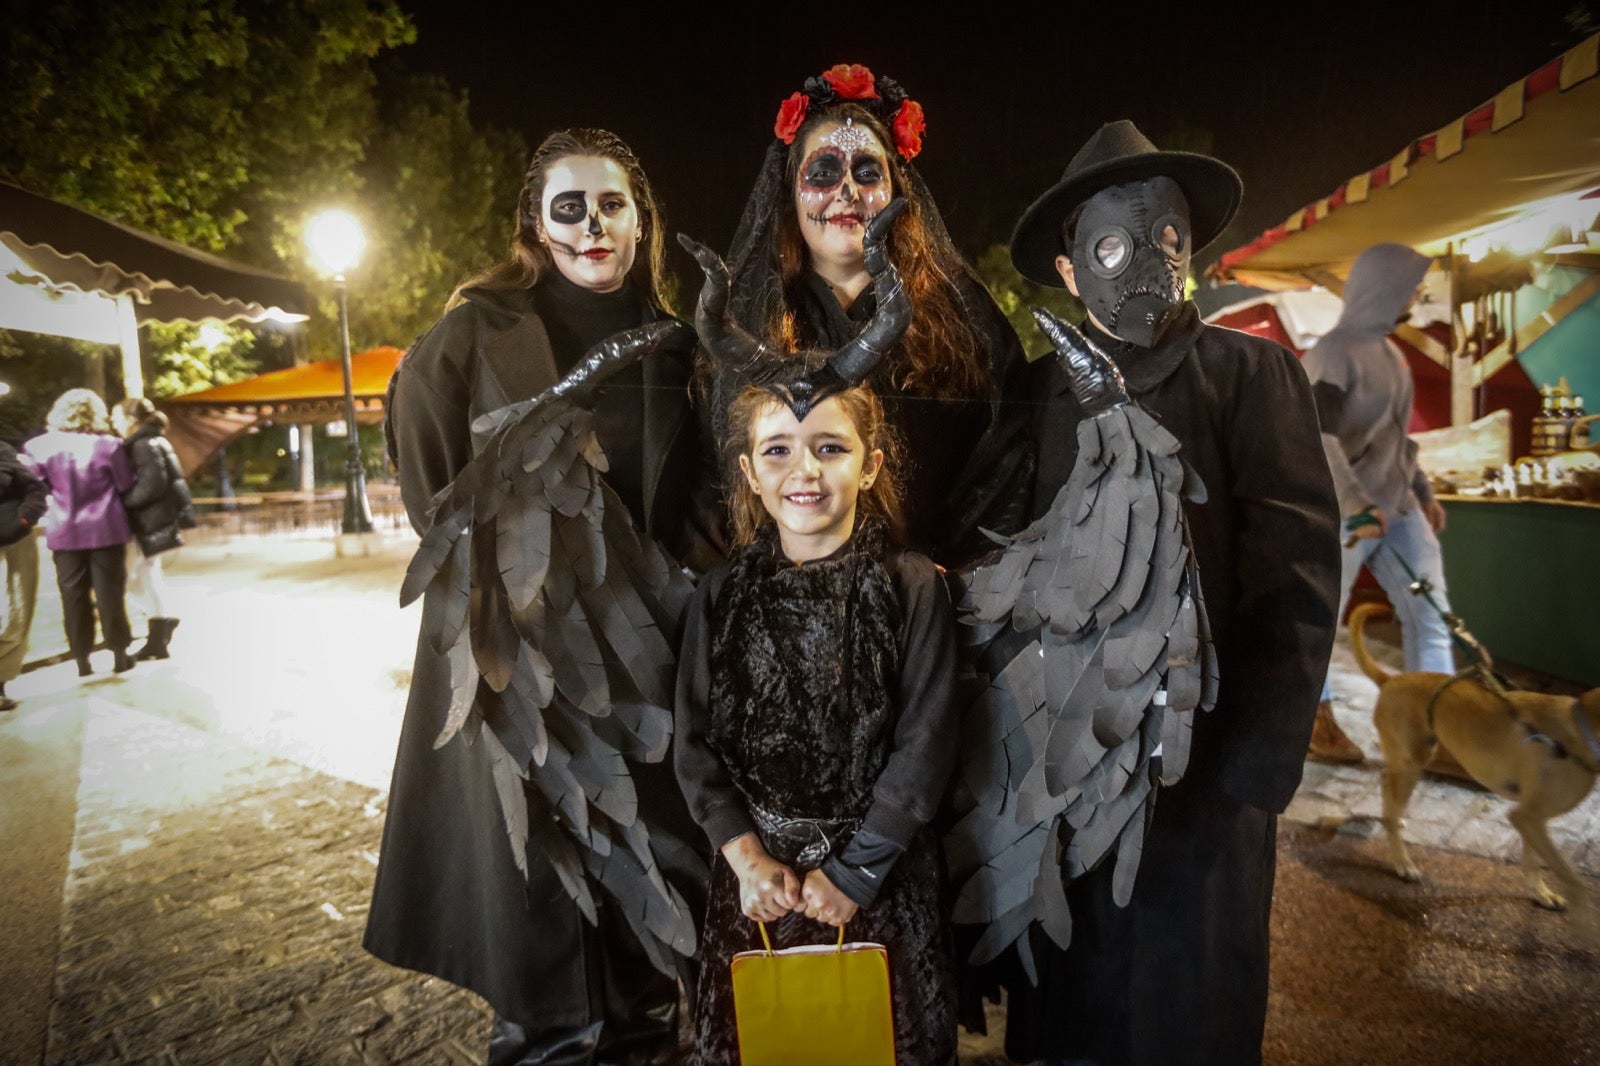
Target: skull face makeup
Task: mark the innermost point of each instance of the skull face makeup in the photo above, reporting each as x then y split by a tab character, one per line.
1130	257
589	221
842	183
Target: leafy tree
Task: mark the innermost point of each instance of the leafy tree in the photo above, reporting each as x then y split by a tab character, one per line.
36	370
1015	295
224	124
181	358
185	117
437	206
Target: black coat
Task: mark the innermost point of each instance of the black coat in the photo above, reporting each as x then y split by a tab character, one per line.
448	899
1267	545
24	498
160	495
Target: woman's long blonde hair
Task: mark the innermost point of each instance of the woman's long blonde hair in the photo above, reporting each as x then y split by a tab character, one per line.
530	260
881	499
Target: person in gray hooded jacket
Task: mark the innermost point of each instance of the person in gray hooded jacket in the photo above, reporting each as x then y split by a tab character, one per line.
1363	392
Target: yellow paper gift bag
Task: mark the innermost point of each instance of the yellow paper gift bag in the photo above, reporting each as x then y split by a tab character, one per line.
822	1003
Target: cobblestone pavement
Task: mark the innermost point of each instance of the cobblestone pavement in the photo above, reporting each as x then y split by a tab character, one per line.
229	806
213	910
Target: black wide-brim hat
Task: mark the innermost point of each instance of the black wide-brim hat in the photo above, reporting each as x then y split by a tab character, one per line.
1116	154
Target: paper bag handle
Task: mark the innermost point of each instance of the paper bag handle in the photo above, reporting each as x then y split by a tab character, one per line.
767	940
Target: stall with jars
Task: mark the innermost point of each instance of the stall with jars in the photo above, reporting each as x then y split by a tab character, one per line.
1507	200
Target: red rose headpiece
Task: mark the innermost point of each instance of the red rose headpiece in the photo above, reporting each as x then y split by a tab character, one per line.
854	83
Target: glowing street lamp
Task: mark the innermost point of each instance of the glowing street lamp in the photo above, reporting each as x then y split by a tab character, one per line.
336	241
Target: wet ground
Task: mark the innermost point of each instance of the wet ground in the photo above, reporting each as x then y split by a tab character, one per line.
187	852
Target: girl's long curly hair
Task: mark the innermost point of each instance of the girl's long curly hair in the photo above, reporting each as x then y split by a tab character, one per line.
530	260
881	499
940	353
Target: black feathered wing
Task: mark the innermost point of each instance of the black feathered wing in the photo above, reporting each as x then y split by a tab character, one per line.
1088	638
560	621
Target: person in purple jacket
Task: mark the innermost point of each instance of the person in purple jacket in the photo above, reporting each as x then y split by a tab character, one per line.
86	528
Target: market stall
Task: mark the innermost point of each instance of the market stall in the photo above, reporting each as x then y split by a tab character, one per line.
68	273
310	394
1507	200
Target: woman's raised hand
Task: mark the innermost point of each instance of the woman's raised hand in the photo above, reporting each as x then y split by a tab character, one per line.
767	888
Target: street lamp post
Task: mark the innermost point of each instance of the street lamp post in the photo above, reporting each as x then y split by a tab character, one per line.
336	242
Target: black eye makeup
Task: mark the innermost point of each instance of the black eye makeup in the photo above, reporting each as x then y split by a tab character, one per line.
826	168
867	169
568	207
823	170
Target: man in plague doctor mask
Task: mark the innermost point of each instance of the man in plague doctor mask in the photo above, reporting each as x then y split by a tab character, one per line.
1179	975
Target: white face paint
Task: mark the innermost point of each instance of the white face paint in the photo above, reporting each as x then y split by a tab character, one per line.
588	220
842	182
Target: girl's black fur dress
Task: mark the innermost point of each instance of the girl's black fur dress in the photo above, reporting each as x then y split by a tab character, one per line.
813	701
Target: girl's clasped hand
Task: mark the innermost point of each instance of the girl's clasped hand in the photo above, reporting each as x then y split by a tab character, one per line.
768	889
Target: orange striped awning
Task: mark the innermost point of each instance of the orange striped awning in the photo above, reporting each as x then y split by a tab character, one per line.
311	383
1536	139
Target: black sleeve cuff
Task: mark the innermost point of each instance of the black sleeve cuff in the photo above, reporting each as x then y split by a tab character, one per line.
861	866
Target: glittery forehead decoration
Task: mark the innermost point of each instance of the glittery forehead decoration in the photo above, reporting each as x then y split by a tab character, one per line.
851	139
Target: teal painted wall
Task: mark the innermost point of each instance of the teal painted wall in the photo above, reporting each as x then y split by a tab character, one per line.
1570	348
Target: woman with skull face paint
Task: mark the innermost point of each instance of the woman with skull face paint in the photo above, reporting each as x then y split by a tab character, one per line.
449	899
843	150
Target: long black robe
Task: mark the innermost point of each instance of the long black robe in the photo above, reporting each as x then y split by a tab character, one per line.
448	899
1180	974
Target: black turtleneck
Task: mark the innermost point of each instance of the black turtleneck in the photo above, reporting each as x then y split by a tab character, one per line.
577	319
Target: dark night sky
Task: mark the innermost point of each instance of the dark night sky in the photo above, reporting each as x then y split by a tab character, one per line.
1296	101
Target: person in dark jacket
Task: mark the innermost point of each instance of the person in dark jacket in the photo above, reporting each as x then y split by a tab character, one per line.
1180	974
158	506
23	500
449	900
87	471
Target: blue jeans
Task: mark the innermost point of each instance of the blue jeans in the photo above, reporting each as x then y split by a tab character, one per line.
1426	637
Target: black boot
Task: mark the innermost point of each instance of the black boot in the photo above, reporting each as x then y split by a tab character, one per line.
84	669
155	645
121	661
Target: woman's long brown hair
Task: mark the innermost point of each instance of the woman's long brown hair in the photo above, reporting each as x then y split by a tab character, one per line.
939	354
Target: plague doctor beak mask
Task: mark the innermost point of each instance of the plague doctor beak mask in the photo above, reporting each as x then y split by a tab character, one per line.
1124	164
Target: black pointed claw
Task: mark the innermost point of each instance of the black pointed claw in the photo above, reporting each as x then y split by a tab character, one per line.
724	338
875	244
1096	381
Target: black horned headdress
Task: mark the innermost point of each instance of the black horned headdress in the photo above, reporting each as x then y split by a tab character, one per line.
790	377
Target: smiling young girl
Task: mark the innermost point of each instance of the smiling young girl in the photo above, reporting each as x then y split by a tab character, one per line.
815	723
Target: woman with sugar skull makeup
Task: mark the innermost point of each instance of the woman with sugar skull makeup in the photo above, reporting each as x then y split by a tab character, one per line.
450	898
843	150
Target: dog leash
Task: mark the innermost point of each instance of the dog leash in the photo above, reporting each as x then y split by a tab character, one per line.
1482	661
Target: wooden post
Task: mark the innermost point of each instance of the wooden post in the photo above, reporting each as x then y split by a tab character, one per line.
128	342
1460	359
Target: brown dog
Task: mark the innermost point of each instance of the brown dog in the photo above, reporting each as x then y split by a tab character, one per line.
1537	750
